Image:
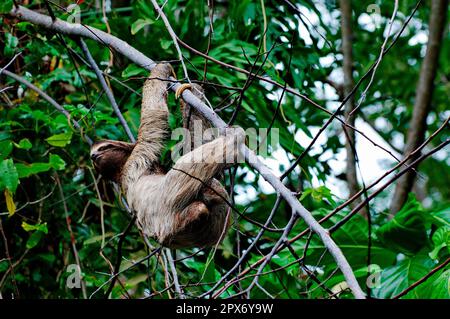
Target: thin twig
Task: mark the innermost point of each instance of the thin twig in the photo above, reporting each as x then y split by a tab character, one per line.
119	255
377	63
173	269
107	90
72	237
173	36
11	264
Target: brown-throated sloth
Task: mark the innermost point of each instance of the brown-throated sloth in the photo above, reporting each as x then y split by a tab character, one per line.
185	207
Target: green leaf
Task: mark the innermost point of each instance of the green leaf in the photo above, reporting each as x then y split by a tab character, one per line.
319	194
24	144
34	239
210	268
406	232
60	140
55	162
9	177
441	239
40	227
47	257
97	239
6	6
397	278
5	149
133	70
139	24
442	217
26	170
165	44
4	265
10	45
436	287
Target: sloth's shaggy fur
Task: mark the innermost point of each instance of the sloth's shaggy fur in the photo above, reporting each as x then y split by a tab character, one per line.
187	206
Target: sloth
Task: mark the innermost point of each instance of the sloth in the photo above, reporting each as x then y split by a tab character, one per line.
186	206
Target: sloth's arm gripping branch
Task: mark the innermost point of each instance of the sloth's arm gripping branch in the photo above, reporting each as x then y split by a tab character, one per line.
153	127
196	169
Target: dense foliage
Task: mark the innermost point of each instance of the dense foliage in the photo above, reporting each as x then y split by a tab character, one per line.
53	203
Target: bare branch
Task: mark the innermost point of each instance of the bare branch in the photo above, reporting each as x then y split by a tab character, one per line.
72	237
380	57
173	270
173	36
107	90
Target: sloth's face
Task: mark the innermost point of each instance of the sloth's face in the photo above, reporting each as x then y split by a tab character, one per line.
109	157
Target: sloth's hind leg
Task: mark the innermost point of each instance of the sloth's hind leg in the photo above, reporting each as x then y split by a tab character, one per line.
192	212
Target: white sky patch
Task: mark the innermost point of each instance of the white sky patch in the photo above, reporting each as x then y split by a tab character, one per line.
337	75
327	61
369	22
372	159
420	37
304	34
325	91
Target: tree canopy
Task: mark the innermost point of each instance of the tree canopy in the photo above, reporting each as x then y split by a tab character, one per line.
354	97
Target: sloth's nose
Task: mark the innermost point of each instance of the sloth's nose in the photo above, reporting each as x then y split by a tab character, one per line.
94	156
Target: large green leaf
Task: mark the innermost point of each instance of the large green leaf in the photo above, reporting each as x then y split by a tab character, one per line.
34	239
441	217
9	178
436	287
397	278
406	232
133	70
60	140
139	24
441	239
5	149
24	144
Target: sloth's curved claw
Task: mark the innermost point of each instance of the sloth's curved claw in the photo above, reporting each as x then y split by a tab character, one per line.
181	88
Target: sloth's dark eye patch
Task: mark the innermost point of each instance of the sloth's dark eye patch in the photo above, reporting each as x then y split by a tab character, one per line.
104	147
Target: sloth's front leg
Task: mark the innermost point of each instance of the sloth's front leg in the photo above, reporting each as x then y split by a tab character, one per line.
195	170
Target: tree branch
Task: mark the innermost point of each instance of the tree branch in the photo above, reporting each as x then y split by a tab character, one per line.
424	93
347	50
172	35
107	90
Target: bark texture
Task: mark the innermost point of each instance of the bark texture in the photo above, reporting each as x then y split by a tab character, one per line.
347	50
424	92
